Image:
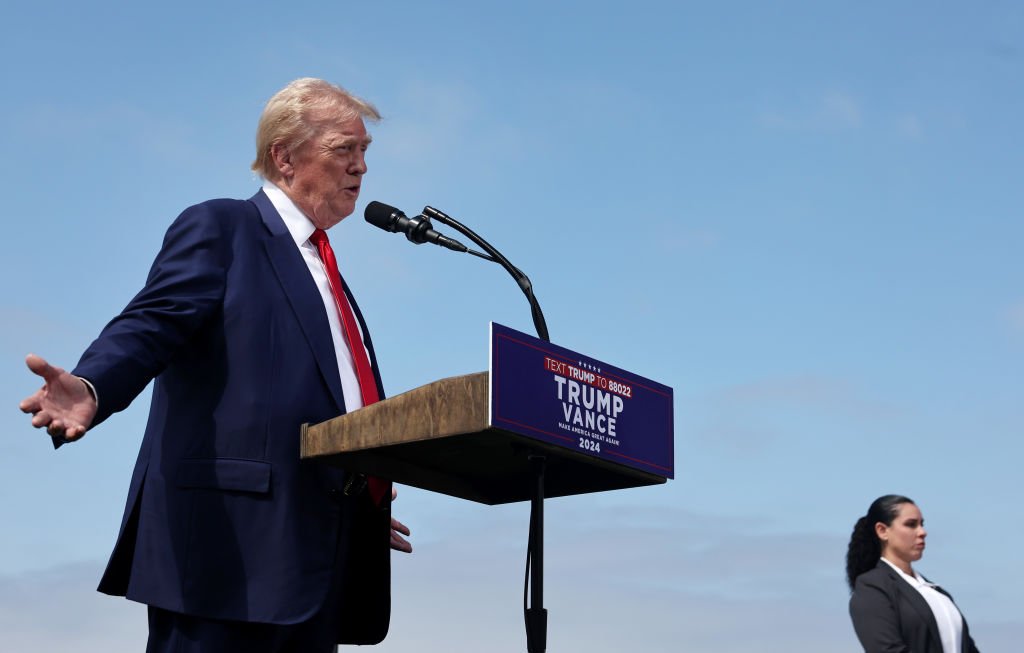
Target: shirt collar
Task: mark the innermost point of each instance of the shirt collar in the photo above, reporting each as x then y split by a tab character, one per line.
916	580
299	226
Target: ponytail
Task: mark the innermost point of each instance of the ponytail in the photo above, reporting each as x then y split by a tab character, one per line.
865	548
863	552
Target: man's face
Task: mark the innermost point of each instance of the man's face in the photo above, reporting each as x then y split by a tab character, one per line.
326	171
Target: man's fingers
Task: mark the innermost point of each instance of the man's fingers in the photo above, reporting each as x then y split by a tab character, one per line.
400	527
39	366
31	404
394	493
399	543
66	431
41	419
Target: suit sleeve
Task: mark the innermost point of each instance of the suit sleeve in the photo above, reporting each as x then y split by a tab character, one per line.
969	645
185	285
875	619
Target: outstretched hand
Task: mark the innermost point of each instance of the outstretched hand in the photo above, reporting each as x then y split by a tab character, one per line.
398	529
63	406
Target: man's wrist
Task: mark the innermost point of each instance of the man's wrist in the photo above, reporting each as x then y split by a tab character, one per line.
91	388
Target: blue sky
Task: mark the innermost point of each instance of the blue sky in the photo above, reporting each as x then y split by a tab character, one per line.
806	218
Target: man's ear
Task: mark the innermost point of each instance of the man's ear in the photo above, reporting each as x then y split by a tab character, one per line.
282	157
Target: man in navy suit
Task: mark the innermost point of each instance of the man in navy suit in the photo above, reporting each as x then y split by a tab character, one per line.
232	541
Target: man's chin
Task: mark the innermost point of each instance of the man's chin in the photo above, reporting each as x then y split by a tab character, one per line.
330	218
343	211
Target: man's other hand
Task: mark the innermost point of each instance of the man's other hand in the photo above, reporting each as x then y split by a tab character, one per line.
64	406
398	529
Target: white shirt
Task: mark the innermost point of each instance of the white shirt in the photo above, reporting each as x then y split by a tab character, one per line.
301	229
948	618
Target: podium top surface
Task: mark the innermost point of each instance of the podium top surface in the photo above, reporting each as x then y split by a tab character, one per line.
439	437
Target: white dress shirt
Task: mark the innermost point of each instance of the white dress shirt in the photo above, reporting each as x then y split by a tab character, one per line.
947	616
301	229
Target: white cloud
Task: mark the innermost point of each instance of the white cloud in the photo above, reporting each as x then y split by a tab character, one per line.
617	579
834	110
629	580
688	239
445	133
58	609
749	418
118	125
1015	315
841	109
910	126
19	326
808	391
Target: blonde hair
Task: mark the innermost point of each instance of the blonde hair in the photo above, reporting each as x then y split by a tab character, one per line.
287	117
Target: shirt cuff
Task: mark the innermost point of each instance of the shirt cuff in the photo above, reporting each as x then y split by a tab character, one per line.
92	390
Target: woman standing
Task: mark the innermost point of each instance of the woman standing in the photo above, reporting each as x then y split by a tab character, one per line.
895	609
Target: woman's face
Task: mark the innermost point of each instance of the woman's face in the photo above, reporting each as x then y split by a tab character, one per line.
903	540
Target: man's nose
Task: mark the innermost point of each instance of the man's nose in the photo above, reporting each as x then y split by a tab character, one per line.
358	166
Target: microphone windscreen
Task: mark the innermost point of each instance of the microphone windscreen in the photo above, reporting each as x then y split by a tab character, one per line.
381	215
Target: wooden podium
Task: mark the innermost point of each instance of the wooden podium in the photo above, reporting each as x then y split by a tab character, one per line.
439	437
544	422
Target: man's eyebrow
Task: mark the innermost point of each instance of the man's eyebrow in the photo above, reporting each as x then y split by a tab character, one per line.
348	139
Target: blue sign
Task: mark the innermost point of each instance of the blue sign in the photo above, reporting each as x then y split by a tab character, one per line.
555	395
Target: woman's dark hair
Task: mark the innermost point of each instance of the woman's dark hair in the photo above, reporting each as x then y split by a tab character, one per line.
865	549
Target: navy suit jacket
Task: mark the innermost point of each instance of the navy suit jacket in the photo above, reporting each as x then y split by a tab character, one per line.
223	519
890	616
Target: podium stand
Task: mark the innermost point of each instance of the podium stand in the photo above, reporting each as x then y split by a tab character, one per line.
544	422
438	437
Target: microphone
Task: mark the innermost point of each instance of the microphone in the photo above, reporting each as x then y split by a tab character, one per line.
418	230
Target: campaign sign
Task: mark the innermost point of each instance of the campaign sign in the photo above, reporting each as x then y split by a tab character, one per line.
556	395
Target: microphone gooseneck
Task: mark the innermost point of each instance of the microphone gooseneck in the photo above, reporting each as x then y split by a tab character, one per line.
420	230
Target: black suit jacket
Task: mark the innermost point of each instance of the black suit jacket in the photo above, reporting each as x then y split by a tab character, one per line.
891	616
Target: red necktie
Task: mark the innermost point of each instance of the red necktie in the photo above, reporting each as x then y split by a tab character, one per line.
364	373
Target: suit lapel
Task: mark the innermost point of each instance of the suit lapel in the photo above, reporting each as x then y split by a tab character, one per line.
917	602
302	295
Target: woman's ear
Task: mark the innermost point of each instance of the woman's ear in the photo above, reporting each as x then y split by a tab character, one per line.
882	532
